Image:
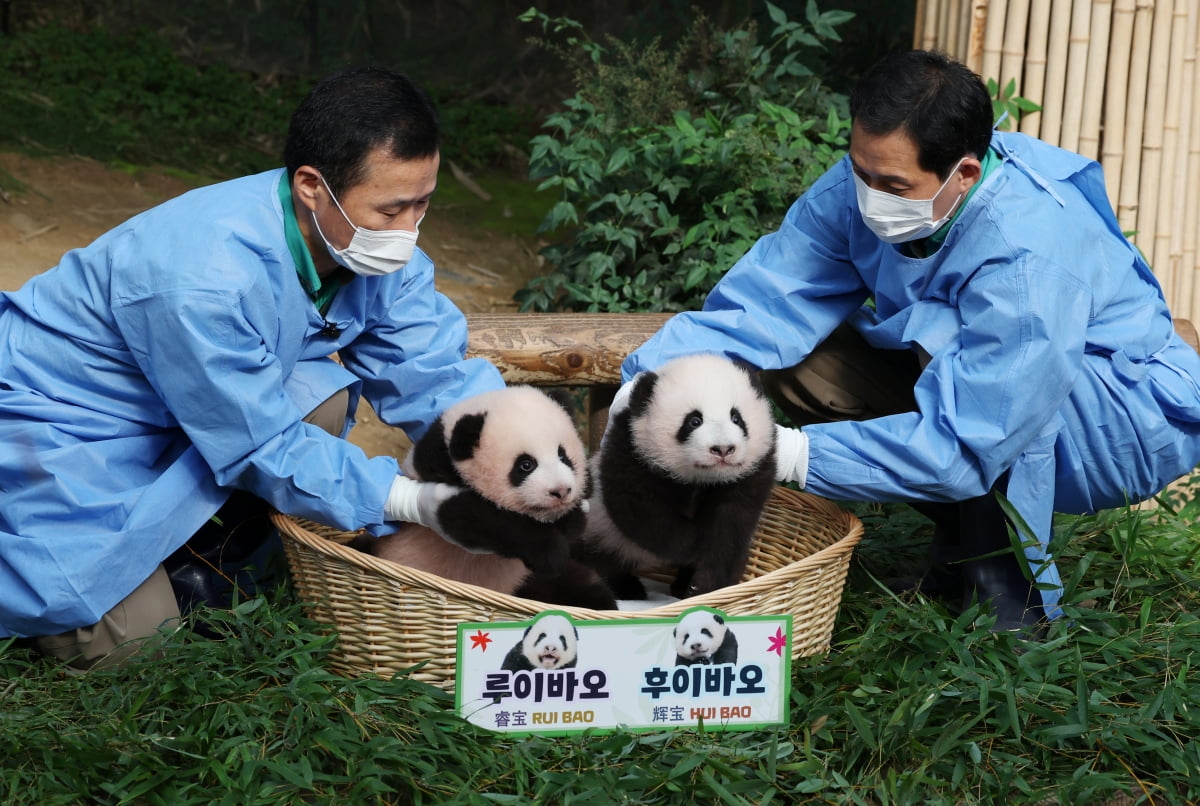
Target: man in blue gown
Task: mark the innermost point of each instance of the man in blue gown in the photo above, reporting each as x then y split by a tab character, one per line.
952	313
184	356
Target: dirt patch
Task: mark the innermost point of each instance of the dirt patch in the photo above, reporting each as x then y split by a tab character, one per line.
50	206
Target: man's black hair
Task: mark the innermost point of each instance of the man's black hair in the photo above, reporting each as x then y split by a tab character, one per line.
938	102
351	113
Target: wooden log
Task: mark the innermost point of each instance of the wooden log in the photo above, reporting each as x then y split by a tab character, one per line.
560	349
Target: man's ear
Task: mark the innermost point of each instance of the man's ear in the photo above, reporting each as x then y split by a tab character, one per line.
306	184
969	172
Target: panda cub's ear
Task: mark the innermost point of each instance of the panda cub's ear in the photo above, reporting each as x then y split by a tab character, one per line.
753	373
643	390
562	398
464	439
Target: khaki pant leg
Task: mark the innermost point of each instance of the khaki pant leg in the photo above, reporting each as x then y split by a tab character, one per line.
124	630
845	378
331	414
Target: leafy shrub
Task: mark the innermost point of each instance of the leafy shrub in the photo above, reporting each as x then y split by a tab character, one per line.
1007	106
128	97
671	161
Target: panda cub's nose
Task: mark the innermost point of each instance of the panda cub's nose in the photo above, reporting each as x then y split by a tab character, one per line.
560	493
723	451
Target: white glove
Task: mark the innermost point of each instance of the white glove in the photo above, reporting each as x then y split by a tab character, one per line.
791	455
413	501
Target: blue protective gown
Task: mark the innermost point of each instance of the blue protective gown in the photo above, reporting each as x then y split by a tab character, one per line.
173	359
1053	353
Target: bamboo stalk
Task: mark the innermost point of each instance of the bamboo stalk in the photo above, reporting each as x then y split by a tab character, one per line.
1056	71
950	41
974	53
1012	50
943	23
920	13
1093	95
1139	69
1152	134
1116	92
1171	129
1077	78
993	42
1034	83
1185	271
1191	255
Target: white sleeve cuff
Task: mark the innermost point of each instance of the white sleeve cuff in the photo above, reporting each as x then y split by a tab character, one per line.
401	503
791	455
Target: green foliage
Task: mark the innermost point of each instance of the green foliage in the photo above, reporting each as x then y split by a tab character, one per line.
128	98
669	162
480	134
1008	105
915	704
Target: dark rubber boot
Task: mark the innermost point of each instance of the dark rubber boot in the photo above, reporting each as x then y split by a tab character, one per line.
995	571
237	553
942	577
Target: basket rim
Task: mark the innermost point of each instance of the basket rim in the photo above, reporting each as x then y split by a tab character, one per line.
290	528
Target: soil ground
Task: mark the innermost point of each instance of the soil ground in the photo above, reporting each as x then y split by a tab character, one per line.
49	206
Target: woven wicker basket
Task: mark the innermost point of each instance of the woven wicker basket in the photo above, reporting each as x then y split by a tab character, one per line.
391	618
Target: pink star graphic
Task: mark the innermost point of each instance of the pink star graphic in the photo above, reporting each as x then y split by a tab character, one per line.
778	642
480	640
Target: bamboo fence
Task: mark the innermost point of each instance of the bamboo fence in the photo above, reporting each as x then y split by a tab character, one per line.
1116	80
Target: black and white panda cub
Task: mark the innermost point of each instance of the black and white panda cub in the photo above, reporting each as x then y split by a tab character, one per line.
704	637
551	642
520	460
682	477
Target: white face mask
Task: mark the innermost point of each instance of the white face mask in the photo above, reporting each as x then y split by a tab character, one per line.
896	219
371	252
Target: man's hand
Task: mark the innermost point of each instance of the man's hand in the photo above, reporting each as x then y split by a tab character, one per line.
791	455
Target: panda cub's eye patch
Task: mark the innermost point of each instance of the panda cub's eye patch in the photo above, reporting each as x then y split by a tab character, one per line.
738	420
522	466
566	460
691	422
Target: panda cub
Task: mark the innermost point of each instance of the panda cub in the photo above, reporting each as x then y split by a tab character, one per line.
551	642
681	477
521	464
703	637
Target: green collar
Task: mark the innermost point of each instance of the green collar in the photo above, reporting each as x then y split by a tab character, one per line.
934	242
321	293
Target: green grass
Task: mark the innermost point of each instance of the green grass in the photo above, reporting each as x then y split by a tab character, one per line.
913	705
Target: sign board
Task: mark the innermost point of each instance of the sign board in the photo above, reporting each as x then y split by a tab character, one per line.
553	675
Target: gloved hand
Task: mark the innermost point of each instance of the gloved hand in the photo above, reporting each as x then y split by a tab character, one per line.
791	455
413	501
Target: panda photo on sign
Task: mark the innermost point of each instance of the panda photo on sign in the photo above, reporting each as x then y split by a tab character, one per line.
703	637
551	642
